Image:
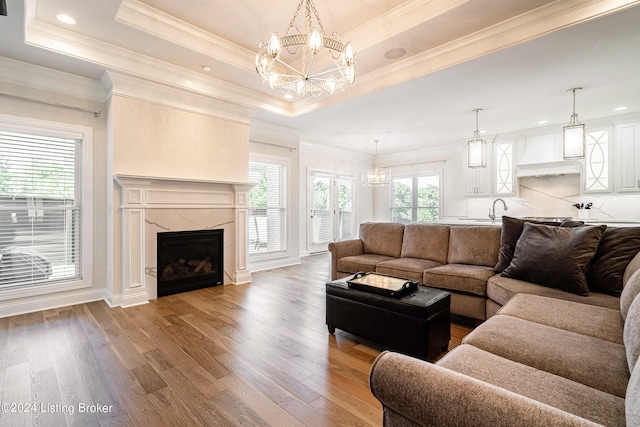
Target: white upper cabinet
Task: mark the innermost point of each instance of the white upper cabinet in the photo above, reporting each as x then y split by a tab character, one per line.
627	157
504	182
597	177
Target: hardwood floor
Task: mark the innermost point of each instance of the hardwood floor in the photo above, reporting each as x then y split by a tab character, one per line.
255	354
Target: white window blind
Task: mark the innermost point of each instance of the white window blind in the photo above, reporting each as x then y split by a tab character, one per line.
267	207
40	209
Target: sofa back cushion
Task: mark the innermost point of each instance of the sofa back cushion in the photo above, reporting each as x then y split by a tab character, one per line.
426	241
631	334
474	244
382	238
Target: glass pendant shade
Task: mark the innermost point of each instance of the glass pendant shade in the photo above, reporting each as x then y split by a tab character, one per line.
573	139
477	153
477	148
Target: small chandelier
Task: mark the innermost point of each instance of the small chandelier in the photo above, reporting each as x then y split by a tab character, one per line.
573	134
477	148
376	176
287	62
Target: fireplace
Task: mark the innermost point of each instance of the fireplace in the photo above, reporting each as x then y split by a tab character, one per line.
189	260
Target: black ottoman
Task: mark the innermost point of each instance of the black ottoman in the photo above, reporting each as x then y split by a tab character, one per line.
417	324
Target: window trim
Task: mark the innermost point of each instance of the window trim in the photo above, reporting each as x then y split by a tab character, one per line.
64	130
415	175
285	253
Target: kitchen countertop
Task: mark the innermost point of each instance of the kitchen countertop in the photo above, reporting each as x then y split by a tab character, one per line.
498	221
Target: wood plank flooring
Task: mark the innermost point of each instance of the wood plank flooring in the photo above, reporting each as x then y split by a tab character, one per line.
256	355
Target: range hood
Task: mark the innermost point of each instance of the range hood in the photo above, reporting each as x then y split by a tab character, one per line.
564	167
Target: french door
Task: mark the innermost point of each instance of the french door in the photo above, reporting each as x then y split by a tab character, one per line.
331	210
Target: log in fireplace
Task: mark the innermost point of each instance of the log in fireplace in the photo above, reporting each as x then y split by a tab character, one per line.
189	260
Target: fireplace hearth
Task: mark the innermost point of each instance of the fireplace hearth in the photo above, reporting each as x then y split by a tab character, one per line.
189	260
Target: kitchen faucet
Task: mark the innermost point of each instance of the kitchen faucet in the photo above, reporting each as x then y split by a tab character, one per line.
492	212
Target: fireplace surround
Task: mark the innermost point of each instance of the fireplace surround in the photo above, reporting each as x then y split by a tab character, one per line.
147	206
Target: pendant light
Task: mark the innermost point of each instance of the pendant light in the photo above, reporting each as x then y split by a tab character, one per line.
573	134
376	176
477	148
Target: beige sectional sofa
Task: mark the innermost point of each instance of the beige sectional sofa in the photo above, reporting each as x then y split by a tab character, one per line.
540	361
461	259
562	340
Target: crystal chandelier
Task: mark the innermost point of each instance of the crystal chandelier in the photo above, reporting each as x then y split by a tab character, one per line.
573	134
287	62
376	176
477	148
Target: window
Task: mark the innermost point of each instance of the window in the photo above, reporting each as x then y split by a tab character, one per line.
415	198
267	207
42	226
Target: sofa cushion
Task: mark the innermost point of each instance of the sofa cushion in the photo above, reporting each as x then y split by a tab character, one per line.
511	231
426	241
382	238
474	245
556	257
598	322
580	358
502	289
634	265
469	279
617	248
632	334
632	400
407	268
629	293
554	390
365	262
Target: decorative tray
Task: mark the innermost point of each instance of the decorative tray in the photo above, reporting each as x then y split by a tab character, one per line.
381	284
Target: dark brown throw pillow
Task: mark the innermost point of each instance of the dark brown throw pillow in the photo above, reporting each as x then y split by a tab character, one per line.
618	246
511	231
555	257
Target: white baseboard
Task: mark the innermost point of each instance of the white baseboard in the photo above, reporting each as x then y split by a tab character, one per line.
16	307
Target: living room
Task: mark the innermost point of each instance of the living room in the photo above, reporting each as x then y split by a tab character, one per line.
171	146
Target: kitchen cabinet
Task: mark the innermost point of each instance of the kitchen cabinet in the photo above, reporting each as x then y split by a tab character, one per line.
627	157
504	182
596	176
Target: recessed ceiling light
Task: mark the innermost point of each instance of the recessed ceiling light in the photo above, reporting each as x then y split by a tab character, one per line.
620	108
395	53
543	122
288	96
206	68
62	17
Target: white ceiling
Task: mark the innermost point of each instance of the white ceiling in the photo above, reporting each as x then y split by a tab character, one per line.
514	59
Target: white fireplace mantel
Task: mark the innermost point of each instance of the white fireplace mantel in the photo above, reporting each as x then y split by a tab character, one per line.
149	205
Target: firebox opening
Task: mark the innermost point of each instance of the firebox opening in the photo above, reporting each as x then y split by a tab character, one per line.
189	260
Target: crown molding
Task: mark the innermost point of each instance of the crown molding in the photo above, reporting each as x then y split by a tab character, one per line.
155	93
153	21
51	81
113	58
